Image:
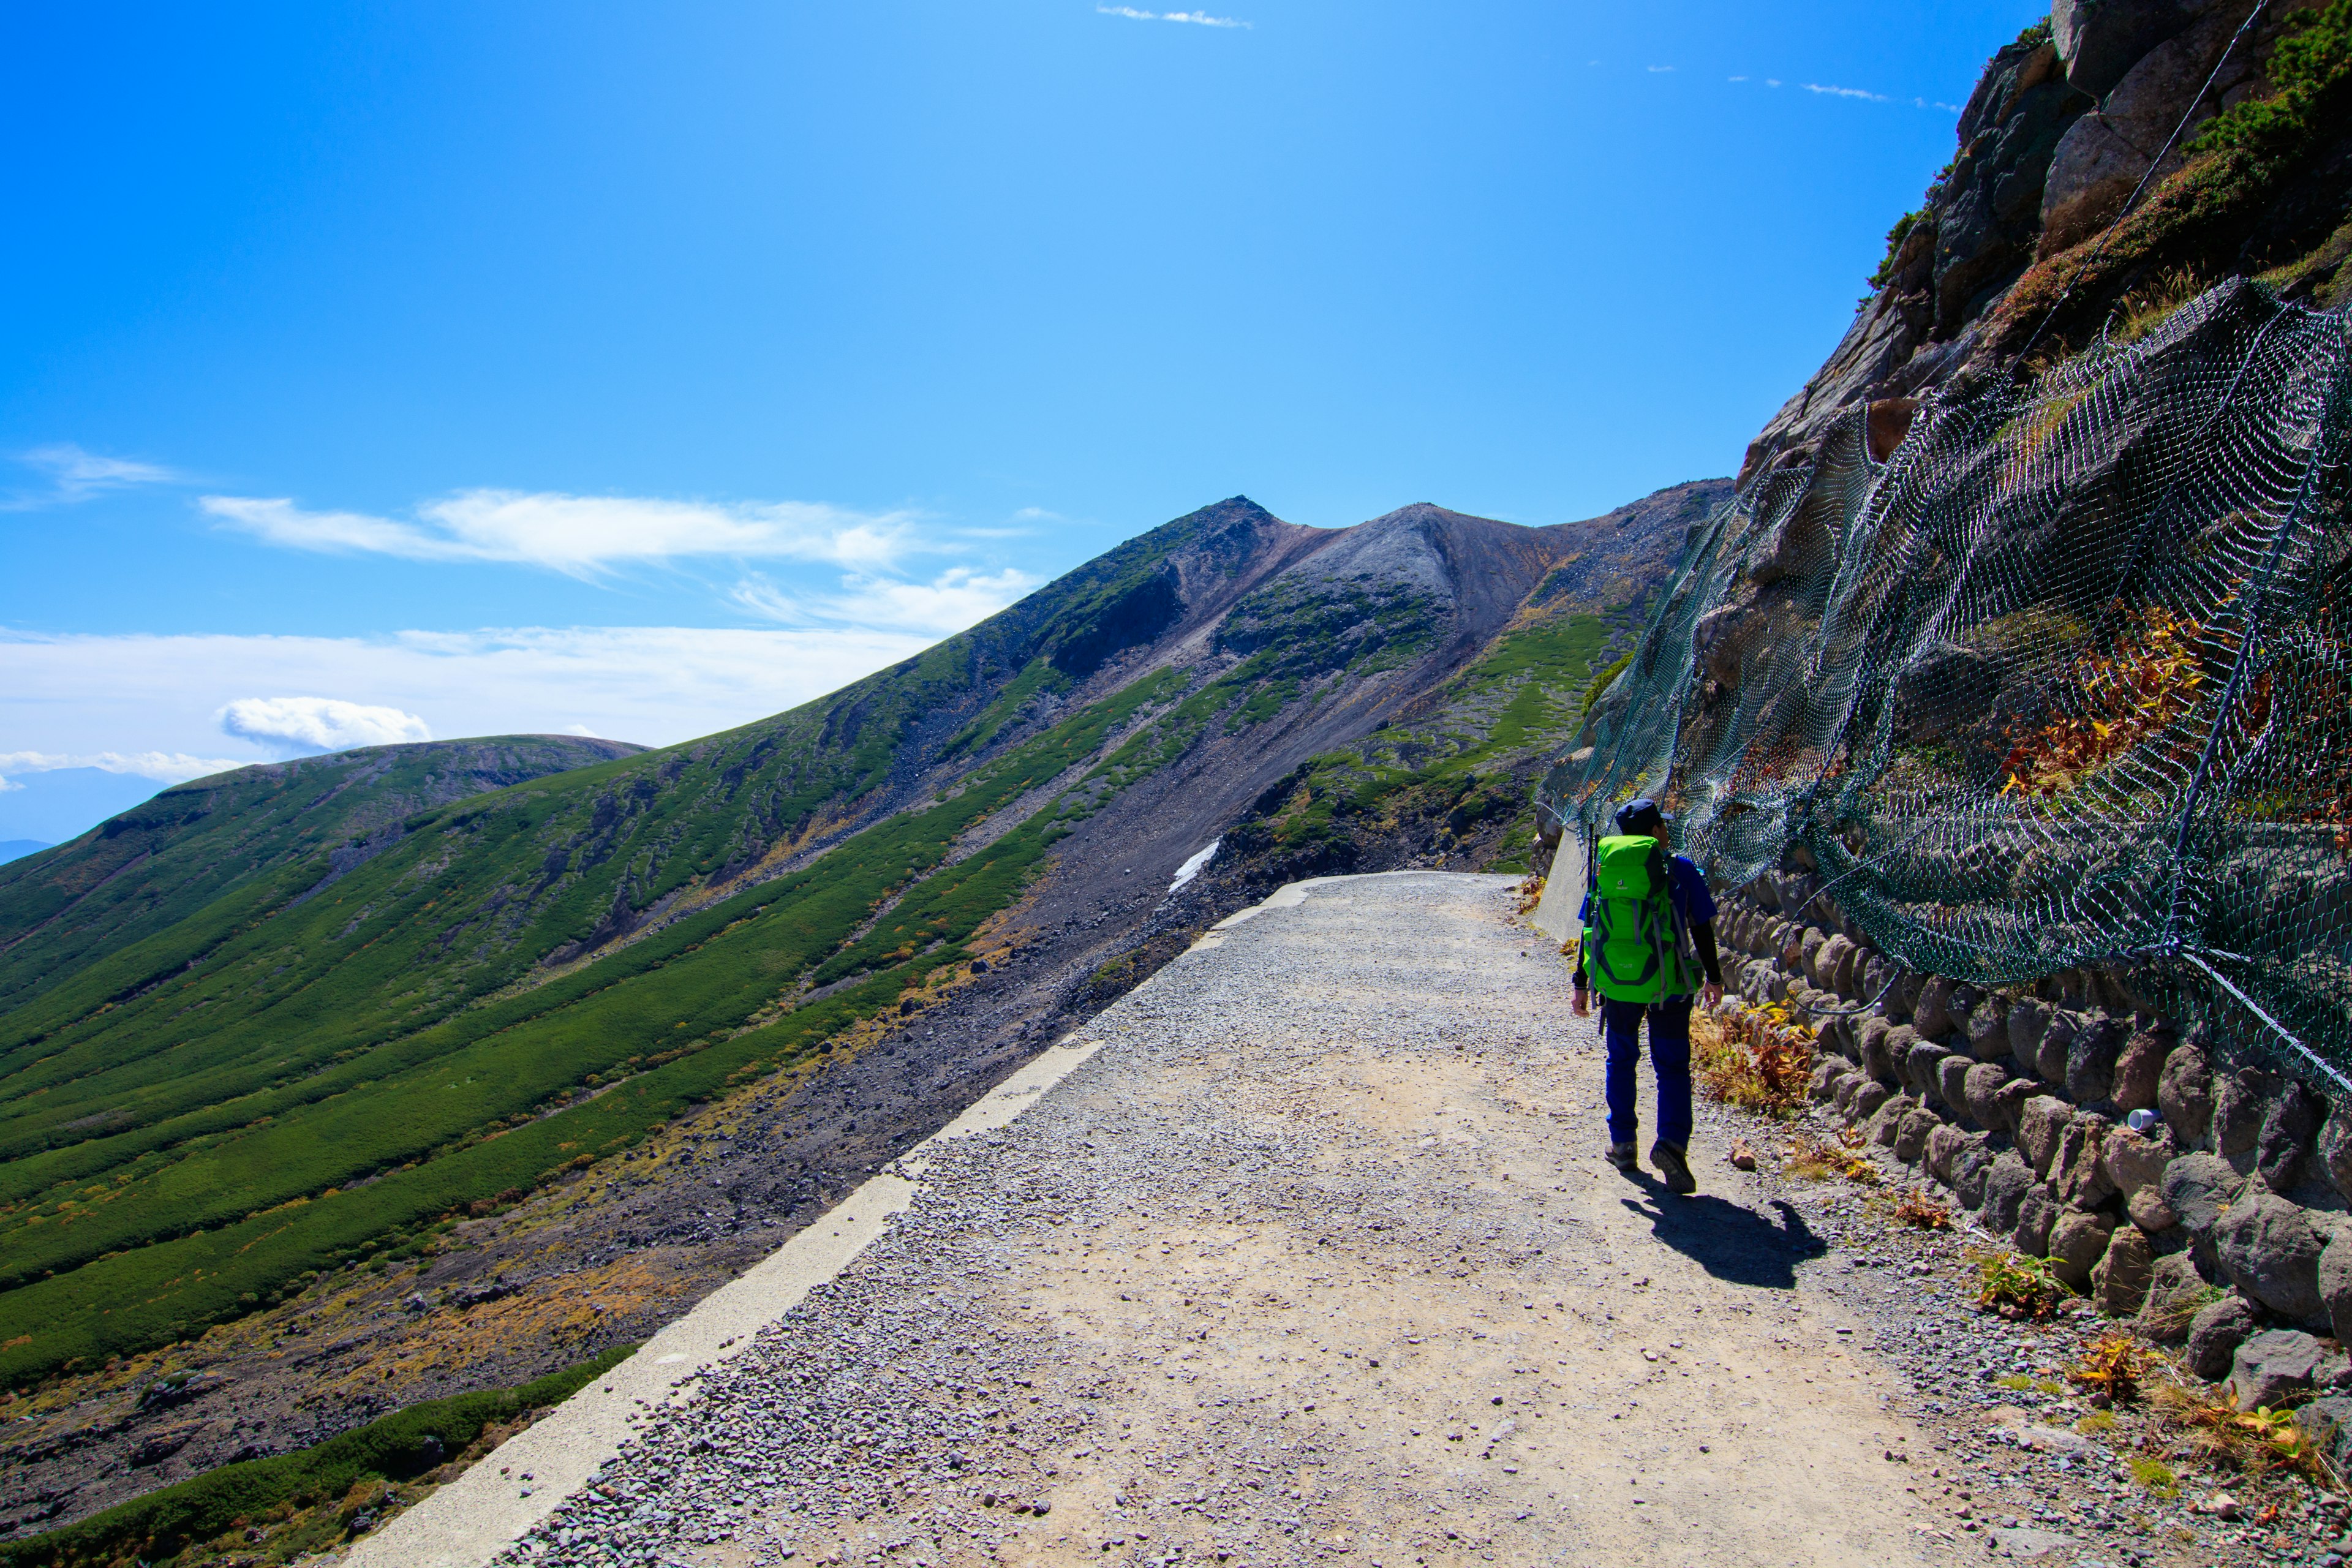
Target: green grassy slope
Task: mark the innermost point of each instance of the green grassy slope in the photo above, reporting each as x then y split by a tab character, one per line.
161	862
258	1076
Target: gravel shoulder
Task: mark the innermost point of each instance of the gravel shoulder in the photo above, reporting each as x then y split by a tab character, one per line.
1316	1256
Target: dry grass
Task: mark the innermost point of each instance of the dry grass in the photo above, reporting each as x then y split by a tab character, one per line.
1759	1060
1530	893
1922	1210
1817	1160
2152	679
2208	1422
2145	308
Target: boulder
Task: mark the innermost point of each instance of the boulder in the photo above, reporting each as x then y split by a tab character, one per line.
1851	976
2242	1103
2268	1369
2148	1211
2176	1294
2140	1070
1971	1169
2135	1160
2184	1094
2035	1212
1988	1030
2101	39
2336	1283
1875	1061
2057	1046
2270	1250
1906	1000
1920	1069
1887	1121
2010	1103
2119	1282
2198	1187
2076	1242
2007	1182
1911	1137
1980	1086
2028	1017
1823	1084
2091	1059
1830	964
2041	1123
2336	1150
1944	1141
1808	948
2077	1175
1867	1099
1952	1082
1931	1015
2214	1335
2289	1132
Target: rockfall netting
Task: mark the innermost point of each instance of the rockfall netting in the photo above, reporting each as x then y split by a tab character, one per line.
2062	682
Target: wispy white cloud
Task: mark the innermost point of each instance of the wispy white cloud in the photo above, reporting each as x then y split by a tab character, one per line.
1845	92
581	536
74	700
163	767
319	724
956	598
1198	18
70	474
1657	70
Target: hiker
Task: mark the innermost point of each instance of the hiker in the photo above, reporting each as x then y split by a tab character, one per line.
1653	913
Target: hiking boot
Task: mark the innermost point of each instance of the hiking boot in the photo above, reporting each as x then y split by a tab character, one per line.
1673	1167
1622	1156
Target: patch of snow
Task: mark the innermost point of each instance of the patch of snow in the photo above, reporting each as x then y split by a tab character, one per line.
1191	868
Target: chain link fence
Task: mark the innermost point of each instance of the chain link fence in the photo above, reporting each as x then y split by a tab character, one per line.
2063	682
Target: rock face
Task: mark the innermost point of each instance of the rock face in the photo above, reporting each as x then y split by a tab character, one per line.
2151	61
2270	1250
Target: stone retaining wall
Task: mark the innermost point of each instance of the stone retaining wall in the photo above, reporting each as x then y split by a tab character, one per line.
2220	1229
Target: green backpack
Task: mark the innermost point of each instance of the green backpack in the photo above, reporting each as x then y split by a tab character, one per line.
1633	946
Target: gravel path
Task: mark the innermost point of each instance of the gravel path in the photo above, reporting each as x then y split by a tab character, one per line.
1315	1259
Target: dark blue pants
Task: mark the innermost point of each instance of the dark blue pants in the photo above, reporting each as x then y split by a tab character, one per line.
1670	1051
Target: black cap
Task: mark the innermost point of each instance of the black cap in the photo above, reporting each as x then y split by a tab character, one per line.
1641	815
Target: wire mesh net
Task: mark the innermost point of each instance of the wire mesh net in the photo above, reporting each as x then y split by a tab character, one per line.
2062	682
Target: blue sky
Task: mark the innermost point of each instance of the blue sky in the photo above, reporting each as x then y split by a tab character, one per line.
381	372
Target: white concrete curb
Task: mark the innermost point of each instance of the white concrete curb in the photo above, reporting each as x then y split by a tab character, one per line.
489	1507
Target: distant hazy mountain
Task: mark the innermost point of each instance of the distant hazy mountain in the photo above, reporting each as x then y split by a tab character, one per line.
17	848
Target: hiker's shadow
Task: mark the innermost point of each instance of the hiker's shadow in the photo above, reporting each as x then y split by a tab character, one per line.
1730	1242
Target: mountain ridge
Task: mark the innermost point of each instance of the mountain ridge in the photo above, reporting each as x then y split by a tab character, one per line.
408	1033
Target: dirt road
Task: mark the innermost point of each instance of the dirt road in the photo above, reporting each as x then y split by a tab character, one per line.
1315	1257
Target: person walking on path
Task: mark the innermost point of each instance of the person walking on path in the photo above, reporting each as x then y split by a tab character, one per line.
1648	935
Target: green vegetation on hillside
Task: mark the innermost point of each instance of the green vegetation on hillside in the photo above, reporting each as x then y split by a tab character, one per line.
160	1245
307	1499
1519	699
